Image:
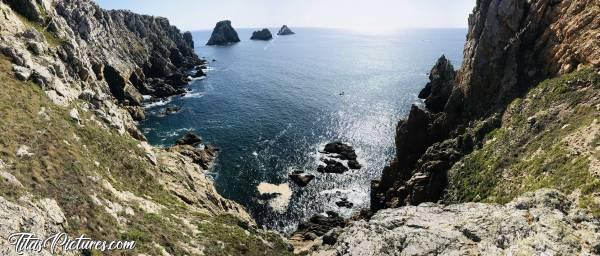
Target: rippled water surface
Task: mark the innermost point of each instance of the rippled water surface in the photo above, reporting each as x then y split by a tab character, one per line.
271	106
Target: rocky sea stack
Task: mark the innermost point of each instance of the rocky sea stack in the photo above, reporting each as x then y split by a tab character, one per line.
263	34
223	34
284	31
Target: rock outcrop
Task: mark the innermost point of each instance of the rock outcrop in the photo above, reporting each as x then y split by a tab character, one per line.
284	31
540	223
511	46
263	34
223	34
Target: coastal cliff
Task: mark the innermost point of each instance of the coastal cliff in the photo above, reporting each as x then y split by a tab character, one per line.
511	47
71	157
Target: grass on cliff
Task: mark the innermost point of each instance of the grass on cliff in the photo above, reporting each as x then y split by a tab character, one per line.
51	38
66	160
548	139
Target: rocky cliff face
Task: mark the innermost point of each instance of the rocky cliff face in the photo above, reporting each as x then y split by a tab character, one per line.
113	57
540	223
511	46
223	34
71	157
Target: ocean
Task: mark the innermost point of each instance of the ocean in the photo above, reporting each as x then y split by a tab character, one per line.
270	107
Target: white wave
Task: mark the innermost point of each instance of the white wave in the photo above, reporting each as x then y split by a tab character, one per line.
158	103
193	95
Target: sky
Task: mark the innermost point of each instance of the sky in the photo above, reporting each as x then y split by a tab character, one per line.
373	15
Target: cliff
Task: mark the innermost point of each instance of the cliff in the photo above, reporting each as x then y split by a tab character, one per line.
511	47
71	157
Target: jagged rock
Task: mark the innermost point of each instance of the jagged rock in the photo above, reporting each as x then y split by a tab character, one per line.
22	73
345	151
223	34
332	236
344	203
264	34
437	91
332	166
28	8
171	110
189	138
284	31
354	164
300	178
319	225
121	88
137	113
535	224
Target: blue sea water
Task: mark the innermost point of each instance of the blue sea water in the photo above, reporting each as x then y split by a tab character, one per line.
271	106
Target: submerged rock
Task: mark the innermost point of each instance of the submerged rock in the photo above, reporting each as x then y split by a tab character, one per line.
284	31
189	138
264	34
300	178
223	34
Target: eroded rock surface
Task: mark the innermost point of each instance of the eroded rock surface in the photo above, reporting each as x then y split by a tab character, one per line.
540	223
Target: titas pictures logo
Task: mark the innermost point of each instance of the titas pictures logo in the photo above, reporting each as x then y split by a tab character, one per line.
61	243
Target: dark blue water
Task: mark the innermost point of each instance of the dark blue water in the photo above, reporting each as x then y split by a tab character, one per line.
270	107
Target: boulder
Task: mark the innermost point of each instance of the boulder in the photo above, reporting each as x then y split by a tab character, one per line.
223	34
300	178
263	34
344	203
284	31
354	164
189	138
169	110
345	151
318	225
332	166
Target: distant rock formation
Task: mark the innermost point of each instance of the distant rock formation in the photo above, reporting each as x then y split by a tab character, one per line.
263	34
284	31
223	34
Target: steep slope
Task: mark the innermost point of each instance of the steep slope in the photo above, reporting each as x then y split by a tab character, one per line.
549	138
511	46
71	157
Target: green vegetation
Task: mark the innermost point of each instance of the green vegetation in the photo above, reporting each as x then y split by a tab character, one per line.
547	140
228	236
69	161
51	38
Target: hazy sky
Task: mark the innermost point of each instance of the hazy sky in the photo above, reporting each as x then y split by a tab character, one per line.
379	15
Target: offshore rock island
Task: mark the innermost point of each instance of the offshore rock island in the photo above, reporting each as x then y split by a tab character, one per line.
284	31
263	34
223	34
501	157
